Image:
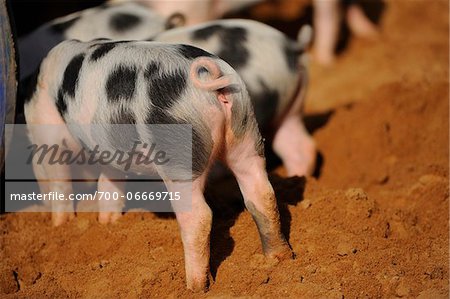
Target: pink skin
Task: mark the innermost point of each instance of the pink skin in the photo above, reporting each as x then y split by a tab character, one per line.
326	24
327	18
109	182
298	154
259	198
62	211
359	24
195	229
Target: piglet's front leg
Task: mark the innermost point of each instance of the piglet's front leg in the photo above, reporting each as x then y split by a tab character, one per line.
195	227
111	184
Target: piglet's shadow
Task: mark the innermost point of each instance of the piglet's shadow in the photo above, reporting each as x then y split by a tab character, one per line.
226	201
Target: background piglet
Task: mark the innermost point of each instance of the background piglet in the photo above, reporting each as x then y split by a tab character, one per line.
274	69
270	64
128	20
195	11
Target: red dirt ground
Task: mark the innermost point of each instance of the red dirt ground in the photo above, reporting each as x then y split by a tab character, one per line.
374	224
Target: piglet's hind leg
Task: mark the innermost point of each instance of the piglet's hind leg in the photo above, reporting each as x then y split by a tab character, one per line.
249	168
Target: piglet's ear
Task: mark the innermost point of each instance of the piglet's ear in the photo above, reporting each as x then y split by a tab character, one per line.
175	20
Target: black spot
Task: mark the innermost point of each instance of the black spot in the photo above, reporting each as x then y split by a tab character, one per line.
206	32
152	69
232	40
164	89
191	52
169	140
200	153
124	116
102	50
71	75
233	49
292	54
29	85
123	21
61	103
63	26
123	137
157	116
265	103
121	83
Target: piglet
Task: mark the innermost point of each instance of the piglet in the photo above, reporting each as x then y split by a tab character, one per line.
274	69
115	21
194	11
104	82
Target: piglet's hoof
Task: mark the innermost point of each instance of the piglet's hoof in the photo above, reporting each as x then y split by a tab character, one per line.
281	253
200	285
60	218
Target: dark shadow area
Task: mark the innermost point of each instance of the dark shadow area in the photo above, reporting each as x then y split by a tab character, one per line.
372	8
313	123
288	27
30	14
319	164
226	202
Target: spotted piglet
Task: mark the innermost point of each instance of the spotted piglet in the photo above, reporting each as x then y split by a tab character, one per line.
103	82
129	20
275	71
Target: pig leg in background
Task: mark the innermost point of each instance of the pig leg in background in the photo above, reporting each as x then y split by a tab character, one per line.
62	211
292	142
249	166
41	177
58	136
358	22
295	147
195	227
110	182
327	20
